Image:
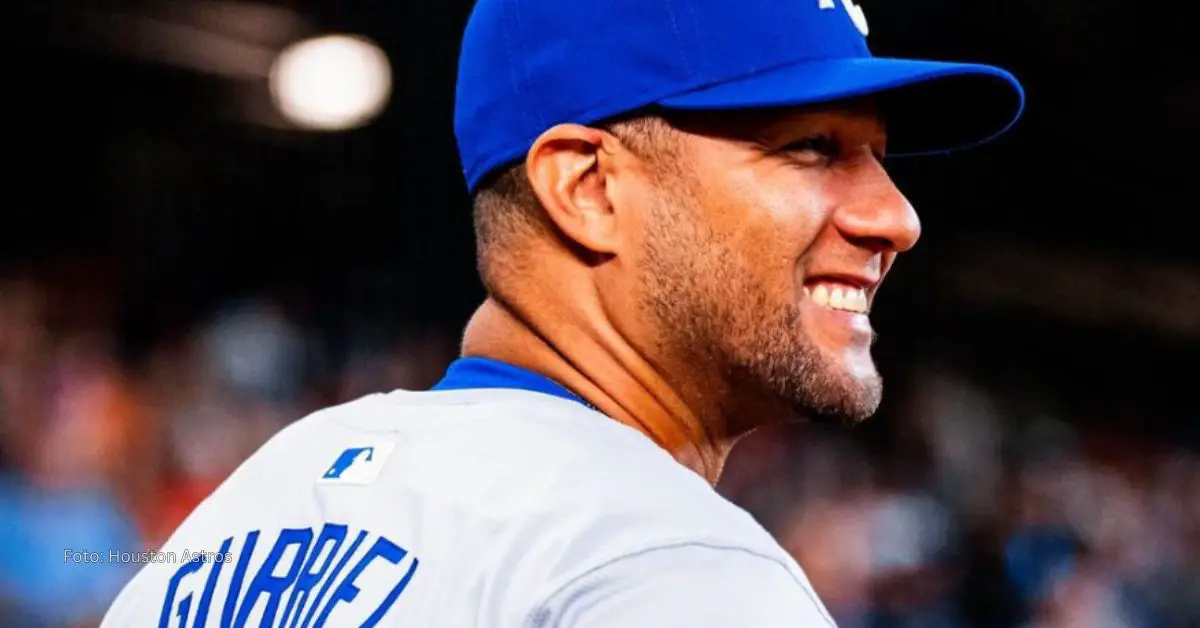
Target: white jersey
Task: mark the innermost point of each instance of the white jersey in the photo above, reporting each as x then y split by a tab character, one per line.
484	508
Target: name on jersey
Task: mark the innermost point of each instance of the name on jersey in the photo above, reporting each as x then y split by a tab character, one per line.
299	578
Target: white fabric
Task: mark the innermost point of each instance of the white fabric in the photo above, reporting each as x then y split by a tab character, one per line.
478	508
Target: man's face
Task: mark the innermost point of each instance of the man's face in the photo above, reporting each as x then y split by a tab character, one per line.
765	239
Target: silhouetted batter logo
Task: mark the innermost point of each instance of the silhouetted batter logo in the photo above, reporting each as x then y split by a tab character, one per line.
358	465
347	460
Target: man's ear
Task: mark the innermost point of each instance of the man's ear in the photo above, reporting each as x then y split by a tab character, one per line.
566	168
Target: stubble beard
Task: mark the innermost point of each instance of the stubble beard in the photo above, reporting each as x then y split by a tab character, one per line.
712	307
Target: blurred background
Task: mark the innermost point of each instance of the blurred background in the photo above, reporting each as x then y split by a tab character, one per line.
215	222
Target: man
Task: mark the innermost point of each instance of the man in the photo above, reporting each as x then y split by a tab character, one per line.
682	223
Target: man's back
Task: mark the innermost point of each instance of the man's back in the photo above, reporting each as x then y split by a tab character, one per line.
486	507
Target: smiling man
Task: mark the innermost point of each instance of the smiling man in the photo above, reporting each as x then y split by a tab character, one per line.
683	220
696	275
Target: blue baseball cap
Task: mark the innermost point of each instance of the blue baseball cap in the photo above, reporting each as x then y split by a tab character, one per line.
528	65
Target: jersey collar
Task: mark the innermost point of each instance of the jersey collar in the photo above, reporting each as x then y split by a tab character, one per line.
476	372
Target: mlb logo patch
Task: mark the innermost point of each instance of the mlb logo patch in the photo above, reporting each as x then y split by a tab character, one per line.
358	465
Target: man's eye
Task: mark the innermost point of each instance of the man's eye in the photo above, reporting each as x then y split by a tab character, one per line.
818	145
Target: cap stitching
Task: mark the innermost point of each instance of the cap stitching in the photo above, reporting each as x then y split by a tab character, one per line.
512	77
679	39
525	59
691	9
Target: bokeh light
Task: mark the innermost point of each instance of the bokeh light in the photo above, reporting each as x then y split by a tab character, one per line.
331	83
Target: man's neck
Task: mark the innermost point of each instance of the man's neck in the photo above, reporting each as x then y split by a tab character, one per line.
599	366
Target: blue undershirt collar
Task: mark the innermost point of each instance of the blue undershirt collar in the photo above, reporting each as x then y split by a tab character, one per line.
475	372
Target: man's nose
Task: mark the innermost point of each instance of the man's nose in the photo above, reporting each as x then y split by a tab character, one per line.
876	214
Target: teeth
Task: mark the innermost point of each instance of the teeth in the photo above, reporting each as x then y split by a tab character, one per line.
839	298
820	295
856	302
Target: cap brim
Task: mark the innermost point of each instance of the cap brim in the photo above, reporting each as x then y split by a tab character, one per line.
928	106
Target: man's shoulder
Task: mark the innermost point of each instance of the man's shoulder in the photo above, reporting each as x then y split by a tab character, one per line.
511	454
510	498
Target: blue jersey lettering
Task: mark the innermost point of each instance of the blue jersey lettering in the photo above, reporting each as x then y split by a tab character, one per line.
284	588
185	604
308	579
267	583
347	592
329	580
211	584
239	573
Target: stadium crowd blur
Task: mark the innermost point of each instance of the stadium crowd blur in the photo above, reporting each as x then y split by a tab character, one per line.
965	520
974	500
